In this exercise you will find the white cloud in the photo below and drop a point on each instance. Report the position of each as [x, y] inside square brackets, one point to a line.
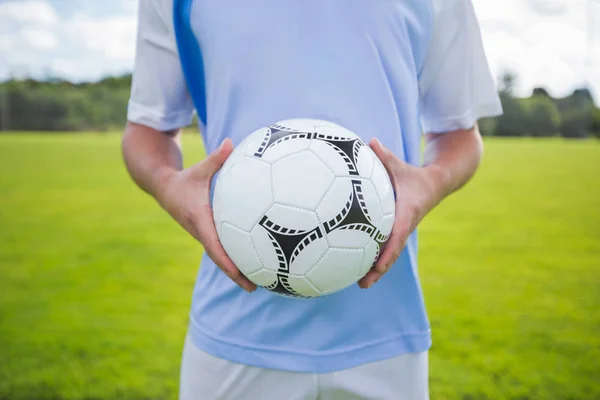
[36, 12]
[40, 39]
[129, 6]
[103, 46]
[548, 7]
[114, 37]
[79, 47]
[544, 41]
[6, 43]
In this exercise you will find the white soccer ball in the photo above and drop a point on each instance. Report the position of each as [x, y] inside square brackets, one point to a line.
[302, 207]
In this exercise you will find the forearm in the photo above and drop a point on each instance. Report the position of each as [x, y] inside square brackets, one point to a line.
[452, 159]
[151, 156]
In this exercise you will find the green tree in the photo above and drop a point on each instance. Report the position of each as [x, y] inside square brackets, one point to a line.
[508, 81]
[513, 121]
[540, 91]
[595, 123]
[487, 126]
[576, 111]
[61, 105]
[543, 115]
[575, 123]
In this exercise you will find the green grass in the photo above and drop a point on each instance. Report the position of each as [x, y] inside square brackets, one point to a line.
[95, 280]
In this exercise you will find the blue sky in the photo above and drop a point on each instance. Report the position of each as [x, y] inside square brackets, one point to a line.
[545, 41]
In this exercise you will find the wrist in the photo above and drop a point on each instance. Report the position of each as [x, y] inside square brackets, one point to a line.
[161, 182]
[440, 181]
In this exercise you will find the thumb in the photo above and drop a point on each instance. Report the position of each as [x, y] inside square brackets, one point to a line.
[380, 151]
[215, 160]
[391, 163]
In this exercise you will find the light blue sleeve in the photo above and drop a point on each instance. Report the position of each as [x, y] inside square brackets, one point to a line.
[456, 85]
[159, 96]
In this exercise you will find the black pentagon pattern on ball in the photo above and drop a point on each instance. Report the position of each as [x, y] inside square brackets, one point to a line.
[277, 134]
[288, 243]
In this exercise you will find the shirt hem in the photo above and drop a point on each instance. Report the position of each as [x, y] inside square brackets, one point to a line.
[465, 120]
[143, 115]
[309, 363]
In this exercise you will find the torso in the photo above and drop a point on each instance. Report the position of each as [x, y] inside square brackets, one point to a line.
[353, 62]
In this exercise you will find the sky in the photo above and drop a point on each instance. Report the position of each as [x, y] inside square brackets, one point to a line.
[549, 43]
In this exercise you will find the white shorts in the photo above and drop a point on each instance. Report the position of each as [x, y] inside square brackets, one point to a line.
[204, 377]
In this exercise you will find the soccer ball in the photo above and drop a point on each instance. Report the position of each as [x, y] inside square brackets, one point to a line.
[302, 207]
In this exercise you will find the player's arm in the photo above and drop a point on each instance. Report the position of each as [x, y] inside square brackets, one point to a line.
[151, 156]
[153, 160]
[159, 107]
[453, 158]
[456, 90]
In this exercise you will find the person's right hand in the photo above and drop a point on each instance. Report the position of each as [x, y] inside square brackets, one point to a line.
[185, 195]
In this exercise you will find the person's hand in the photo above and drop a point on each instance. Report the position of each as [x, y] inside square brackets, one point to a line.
[185, 195]
[418, 191]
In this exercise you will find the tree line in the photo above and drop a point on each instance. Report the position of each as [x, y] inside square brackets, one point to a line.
[59, 105]
[574, 116]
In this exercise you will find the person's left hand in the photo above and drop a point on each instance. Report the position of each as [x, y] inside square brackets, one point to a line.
[418, 190]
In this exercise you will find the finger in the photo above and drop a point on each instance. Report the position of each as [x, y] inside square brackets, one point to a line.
[369, 279]
[217, 254]
[394, 246]
[215, 160]
[390, 251]
[380, 150]
[391, 163]
[213, 247]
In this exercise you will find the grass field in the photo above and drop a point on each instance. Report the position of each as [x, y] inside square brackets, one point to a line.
[95, 280]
